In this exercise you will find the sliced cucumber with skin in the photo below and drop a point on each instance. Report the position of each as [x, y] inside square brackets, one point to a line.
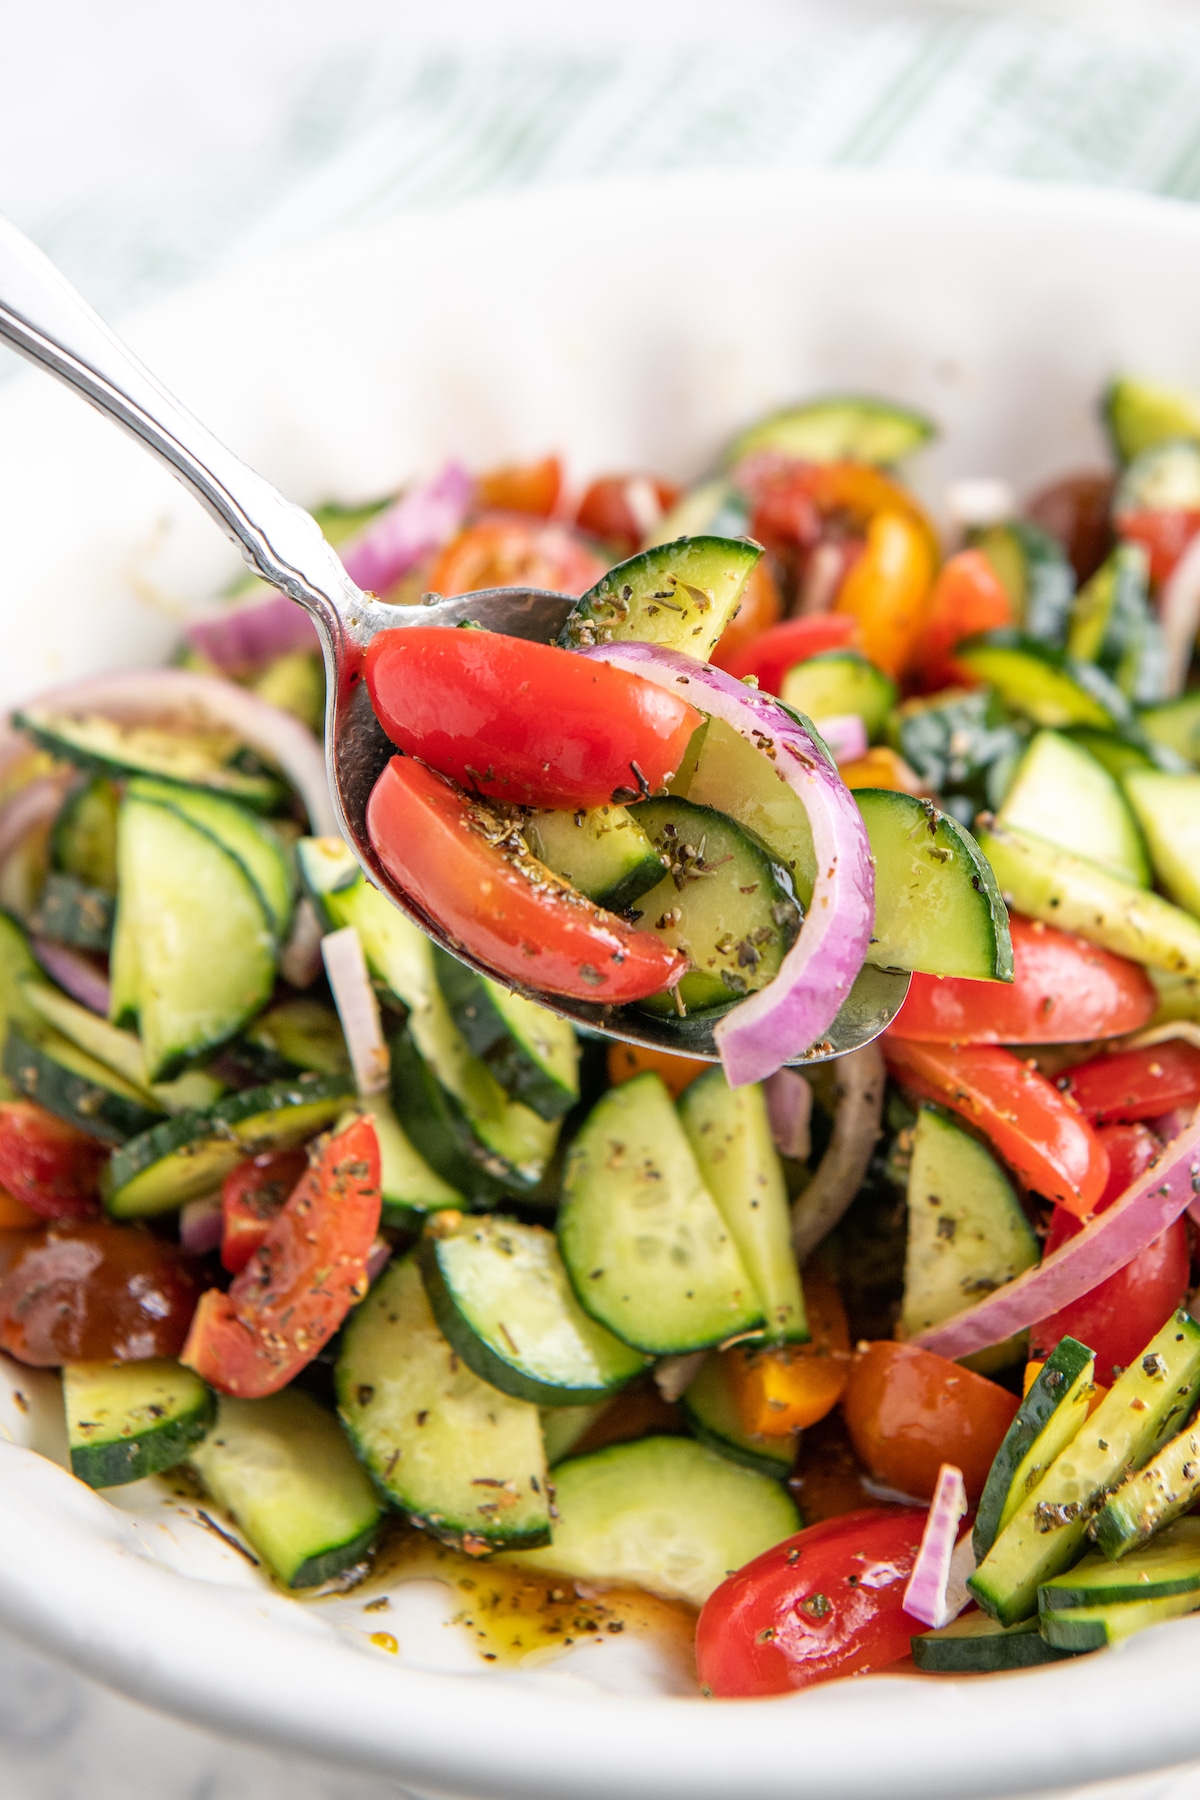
[647, 1250]
[710, 1409]
[398, 955]
[967, 1234]
[460, 1458]
[252, 842]
[601, 850]
[1175, 725]
[728, 774]
[120, 1051]
[1114, 626]
[1062, 794]
[565, 1426]
[840, 681]
[1047, 1420]
[1086, 1628]
[1044, 684]
[299, 1034]
[533, 1054]
[1165, 478]
[282, 1469]
[723, 901]
[129, 1420]
[187, 759]
[1167, 1566]
[837, 429]
[664, 1514]
[1114, 753]
[411, 1189]
[46, 1067]
[1168, 810]
[977, 1645]
[17, 967]
[1155, 1496]
[730, 1135]
[937, 905]
[70, 912]
[714, 509]
[962, 744]
[1076, 895]
[1033, 568]
[680, 595]
[503, 1300]
[83, 842]
[1142, 414]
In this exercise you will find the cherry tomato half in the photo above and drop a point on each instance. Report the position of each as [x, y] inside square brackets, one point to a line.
[522, 487]
[622, 509]
[49, 1166]
[968, 597]
[627, 1060]
[1164, 534]
[1075, 510]
[827, 1602]
[793, 641]
[525, 722]
[758, 610]
[509, 550]
[252, 1196]
[1136, 1084]
[1064, 990]
[909, 1411]
[93, 1292]
[499, 903]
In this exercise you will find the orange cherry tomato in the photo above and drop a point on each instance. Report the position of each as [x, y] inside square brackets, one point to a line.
[782, 646]
[760, 608]
[522, 487]
[14, 1216]
[627, 1060]
[506, 550]
[783, 1388]
[887, 590]
[1039, 1132]
[252, 1197]
[622, 509]
[48, 1165]
[909, 1411]
[968, 597]
[881, 767]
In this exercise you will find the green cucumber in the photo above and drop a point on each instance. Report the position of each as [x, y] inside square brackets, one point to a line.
[1033, 567]
[837, 428]
[282, 1469]
[1139, 1413]
[188, 759]
[967, 1234]
[1048, 1418]
[532, 1053]
[1168, 811]
[460, 1458]
[1141, 414]
[128, 1420]
[298, 1034]
[714, 509]
[1175, 725]
[120, 1051]
[1114, 753]
[252, 842]
[723, 770]
[17, 967]
[1169, 1565]
[411, 1189]
[1044, 684]
[962, 744]
[565, 1426]
[1062, 794]
[730, 1135]
[601, 850]
[840, 681]
[680, 595]
[295, 682]
[70, 912]
[1155, 1496]
[937, 905]
[1093, 1627]
[647, 1250]
[663, 1514]
[83, 842]
[977, 1645]
[46, 1067]
[502, 1299]
[1076, 895]
[399, 956]
[711, 1411]
[1164, 478]
[1114, 626]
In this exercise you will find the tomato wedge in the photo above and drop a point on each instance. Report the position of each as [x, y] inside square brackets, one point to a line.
[622, 509]
[302, 1281]
[909, 1411]
[499, 902]
[49, 1166]
[1164, 535]
[782, 1388]
[1136, 1084]
[522, 487]
[252, 1196]
[93, 1292]
[512, 550]
[793, 641]
[524, 722]
[1064, 990]
[827, 1602]
[968, 597]
[1038, 1131]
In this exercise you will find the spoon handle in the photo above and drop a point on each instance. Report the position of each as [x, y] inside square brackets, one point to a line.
[45, 319]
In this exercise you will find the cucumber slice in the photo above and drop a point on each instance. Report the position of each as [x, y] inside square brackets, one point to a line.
[565, 1426]
[1175, 726]
[204, 950]
[411, 1189]
[664, 1514]
[192, 1153]
[1076, 895]
[1093, 1627]
[1047, 1420]
[840, 681]
[1116, 754]
[937, 905]
[681, 595]
[648, 1253]
[714, 509]
[1044, 684]
[83, 842]
[17, 967]
[1141, 414]
[1168, 810]
[48, 1068]
[977, 1645]
[1139, 1413]
[711, 1411]
[967, 1234]
[501, 1296]
[1034, 569]
[128, 1420]
[837, 429]
[730, 1135]
[70, 912]
[194, 759]
[728, 774]
[298, 1034]
[1169, 1565]
[962, 745]
[459, 1117]
[1062, 794]
[295, 682]
[602, 851]
[723, 901]
[398, 955]
[533, 1054]
[1113, 626]
[251, 842]
[1143, 1503]
[462, 1460]
[281, 1467]
[120, 1052]
[1165, 478]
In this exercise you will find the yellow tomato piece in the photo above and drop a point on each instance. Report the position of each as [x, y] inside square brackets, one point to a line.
[888, 588]
[880, 767]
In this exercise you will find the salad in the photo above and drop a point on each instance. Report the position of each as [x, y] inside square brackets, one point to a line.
[855, 1360]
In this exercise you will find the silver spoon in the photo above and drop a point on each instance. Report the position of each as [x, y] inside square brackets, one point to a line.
[45, 319]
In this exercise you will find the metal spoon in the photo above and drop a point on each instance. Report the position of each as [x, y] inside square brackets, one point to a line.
[45, 319]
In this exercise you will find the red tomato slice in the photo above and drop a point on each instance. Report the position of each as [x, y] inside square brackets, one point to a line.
[522, 487]
[1164, 535]
[252, 1196]
[759, 608]
[909, 1411]
[96, 1292]
[48, 1165]
[499, 902]
[302, 1281]
[827, 1602]
[1136, 1084]
[968, 597]
[523, 722]
[1063, 991]
[793, 641]
[622, 509]
[1118, 1318]
[1037, 1130]
[508, 550]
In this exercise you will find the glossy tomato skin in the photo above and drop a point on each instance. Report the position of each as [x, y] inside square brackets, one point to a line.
[825, 1603]
[909, 1411]
[769, 657]
[252, 1196]
[1136, 1084]
[621, 509]
[1118, 1318]
[513, 550]
[526, 723]
[93, 1292]
[1064, 990]
[48, 1165]
[501, 905]
[968, 597]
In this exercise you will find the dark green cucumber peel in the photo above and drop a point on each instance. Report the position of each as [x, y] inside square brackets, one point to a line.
[120, 1458]
[66, 1081]
[1046, 685]
[977, 1645]
[529, 1052]
[1155, 1496]
[681, 595]
[1062, 1377]
[70, 912]
[602, 851]
[104, 748]
[709, 1408]
[438, 1128]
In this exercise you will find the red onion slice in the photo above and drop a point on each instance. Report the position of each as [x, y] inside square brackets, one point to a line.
[926, 1597]
[845, 734]
[420, 522]
[30, 809]
[378, 1257]
[300, 958]
[247, 636]
[784, 1019]
[789, 1108]
[358, 1009]
[200, 1224]
[75, 973]
[1179, 611]
[1112, 1239]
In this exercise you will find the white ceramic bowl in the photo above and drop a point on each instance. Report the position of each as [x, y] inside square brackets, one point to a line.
[629, 325]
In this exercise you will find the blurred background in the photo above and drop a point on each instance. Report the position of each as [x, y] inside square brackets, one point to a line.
[145, 147]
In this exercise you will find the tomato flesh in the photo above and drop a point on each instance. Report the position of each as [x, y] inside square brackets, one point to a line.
[522, 487]
[782, 646]
[526, 723]
[509, 550]
[1136, 1084]
[48, 1165]
[1163, 533]
[909, 1411]
[622, 509]
[968, 597]
[93, 1292]
[252, 1196]
[499, 903]
[827, 1602]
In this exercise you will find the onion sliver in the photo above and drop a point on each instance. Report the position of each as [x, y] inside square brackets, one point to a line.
[845, 735]
[30, 809]
[795, 1010]
[409, 530]
[358, 1009]
[75, 973]
[200, 1224]
[926, 1597]
[1179, 611]
[789, 1108]
[1112, 1239]
[248, 636]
